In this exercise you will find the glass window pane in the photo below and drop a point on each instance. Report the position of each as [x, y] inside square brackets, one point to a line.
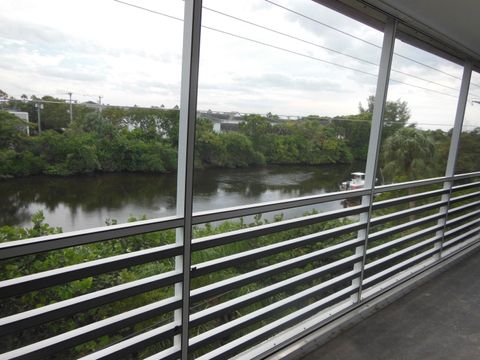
[278, 109]
[468, 159]
[419, 114]
[99, 84]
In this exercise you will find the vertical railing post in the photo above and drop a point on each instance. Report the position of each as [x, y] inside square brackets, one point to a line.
[374, 144]
[453, 154]
[186, 141]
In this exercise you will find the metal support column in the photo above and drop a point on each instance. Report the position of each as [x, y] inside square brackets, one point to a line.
[186, 142]
[453, 152]
[374, 143]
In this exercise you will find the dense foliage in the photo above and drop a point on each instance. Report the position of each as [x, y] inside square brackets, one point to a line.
[113, 139]
[73, 255]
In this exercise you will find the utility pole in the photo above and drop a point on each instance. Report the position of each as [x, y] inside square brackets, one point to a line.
[39, 107]
[100, 103]
[71, 109]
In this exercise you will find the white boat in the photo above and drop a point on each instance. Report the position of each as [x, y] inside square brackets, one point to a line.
[357, 182]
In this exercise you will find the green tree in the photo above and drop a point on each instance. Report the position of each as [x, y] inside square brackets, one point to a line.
[156, 123]
[395, 116]
[258, 129]
[408, 155]
[320, 144]
[12, 130]
[468, 159]
[209, 148]
[355, 130]
[239, 151]
[54, 114]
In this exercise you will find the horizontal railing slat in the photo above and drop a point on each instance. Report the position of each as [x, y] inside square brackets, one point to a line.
[135, 343]
[375, 236]
[465, 197]
[462, 218]
[27, 283]
[403, 199]
[239, 258]
[383, 275]
[232, 348]
[379, 249]
[462, 227]
[399, 214]
[202, 217]
[92, 331]
[465, 186]
[222, 286]
[257, 315]
[84, 302]
[410, 184]
[39, 244]
[172, 353]
[261, 230]
[400, 254]
[466, 175]
[461, 237]
[462, 208]
[257, 295]
[82, 237]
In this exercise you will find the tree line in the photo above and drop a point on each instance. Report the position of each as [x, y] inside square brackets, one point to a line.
[116, 139]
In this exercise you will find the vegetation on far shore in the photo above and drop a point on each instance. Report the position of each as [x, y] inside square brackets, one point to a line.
[135, 139]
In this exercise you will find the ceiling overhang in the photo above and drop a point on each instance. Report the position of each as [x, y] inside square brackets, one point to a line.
[447, 28]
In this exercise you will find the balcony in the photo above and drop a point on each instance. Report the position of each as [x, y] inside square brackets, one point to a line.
[436, 320]
[307, 299]
[266, 289]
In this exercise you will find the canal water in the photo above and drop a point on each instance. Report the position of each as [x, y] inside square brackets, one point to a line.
[87, 201]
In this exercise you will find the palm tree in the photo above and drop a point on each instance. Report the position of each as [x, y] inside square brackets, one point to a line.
[408, 155]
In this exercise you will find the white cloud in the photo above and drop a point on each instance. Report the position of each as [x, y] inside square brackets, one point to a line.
[131, 56]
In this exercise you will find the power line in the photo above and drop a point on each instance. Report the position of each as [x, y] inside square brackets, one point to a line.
[252, 40]
[342, 53]
[291, 36]
[85, 104]
[286, 50]
[64, 102]
[422, 79]
[324, 47]
[324, 24]
[291, 51]
[424, 88]
[149, 10]
[362, 40]
[283, 118]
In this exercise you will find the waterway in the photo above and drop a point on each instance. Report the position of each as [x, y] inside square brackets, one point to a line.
[87, 201]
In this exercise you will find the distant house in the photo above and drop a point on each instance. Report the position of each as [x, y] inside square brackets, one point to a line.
[93, 105]
[22, 115]
[230, 121]
[226, 127]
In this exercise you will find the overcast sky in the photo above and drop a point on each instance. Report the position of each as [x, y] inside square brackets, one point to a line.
[131, 56]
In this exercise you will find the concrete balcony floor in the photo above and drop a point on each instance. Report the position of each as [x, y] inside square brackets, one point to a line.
[438, 320]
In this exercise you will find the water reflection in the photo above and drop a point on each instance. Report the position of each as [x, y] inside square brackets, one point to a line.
[87, 201]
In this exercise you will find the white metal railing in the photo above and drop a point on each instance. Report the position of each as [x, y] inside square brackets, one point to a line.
[268, 278]
[399, 240]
